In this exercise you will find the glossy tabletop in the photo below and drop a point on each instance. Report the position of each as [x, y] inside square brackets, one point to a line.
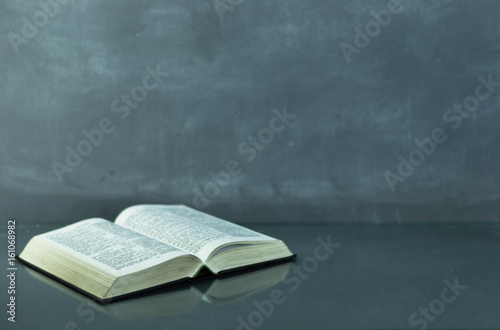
[345, 277]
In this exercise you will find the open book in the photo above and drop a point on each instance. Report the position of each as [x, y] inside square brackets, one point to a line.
[147, 246]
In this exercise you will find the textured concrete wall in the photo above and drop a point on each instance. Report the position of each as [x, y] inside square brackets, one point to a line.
[156, 95]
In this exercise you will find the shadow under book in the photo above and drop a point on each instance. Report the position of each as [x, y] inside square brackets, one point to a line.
[177, 299]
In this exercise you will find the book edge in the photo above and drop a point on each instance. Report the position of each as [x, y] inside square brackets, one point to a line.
[104, 301]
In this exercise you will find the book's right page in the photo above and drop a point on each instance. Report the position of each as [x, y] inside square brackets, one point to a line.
[190, 230]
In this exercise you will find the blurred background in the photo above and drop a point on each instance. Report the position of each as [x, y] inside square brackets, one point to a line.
[255, 111]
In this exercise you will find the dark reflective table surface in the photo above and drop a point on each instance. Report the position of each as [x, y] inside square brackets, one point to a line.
[345, 277]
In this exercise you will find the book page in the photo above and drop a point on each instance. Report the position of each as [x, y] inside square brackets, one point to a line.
[114, 248]
[185, 228]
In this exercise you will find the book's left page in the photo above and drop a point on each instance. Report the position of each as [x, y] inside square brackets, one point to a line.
[92, 254]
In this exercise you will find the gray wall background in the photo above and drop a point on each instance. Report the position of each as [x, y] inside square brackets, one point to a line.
[225, 77]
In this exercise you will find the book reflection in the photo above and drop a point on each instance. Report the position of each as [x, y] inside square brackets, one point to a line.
[182, 297]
